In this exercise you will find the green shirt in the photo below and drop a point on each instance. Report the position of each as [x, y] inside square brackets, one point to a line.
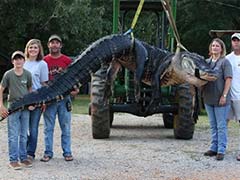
[17, 86]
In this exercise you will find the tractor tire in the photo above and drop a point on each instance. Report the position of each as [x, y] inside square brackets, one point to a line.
[168, 120]
[184, 123]
[100, 108]
[111, 114]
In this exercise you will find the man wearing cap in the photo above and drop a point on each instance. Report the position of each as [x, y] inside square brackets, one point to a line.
[57, 62]
[234, 58]
[19, 82]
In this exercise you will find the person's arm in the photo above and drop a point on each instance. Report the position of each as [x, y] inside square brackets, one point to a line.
[227, 86]
[3, 110]
[30, 89]
[29, 83]
[30, 108]
[44, 74]
[44, 83]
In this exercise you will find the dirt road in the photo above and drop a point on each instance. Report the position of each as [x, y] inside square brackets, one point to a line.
[137, 149]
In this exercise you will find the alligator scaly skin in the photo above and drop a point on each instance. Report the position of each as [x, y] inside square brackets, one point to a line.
[104, 50]
[100, 52]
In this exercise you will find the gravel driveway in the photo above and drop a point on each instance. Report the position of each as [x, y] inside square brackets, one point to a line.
[137, 149]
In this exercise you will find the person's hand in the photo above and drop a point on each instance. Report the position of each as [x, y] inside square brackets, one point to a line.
[4, 112]
[31, 108]
[222, 101]
[43, 107]
[75, 91]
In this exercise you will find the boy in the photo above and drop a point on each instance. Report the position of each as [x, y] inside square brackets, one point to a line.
[19, 82]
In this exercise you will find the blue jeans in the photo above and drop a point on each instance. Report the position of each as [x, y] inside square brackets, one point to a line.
[35, 116]
[218, 125]
[18, 124]
[64, 119]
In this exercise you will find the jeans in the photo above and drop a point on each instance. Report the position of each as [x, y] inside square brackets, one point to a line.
[18, 124]
[35, 116]
[64, 119]
[218, 125]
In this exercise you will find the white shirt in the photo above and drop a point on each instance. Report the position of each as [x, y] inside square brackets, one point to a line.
[39, 71]
[235, 86]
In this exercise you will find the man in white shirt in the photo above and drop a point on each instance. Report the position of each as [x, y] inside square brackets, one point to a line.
[234, 58]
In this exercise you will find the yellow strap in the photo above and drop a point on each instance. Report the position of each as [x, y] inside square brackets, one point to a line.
[137, 15]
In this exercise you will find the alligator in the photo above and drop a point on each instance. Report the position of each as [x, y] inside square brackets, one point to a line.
[166, 69]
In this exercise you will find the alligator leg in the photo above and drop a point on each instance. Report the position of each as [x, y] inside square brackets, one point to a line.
[156, 83]
[141, 57]
[112, 71]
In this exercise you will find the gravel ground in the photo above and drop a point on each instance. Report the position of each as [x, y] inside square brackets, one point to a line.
[137, 149]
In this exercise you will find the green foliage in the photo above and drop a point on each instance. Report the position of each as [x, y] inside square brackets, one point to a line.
[146, 26]
[80, 104]
[196, 18]
[80, 22]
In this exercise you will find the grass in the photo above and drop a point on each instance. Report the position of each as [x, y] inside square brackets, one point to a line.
[80, 104]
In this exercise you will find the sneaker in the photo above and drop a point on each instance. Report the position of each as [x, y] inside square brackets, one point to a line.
[210, 153]
[220, 157]
[26, 163]
[15, 165]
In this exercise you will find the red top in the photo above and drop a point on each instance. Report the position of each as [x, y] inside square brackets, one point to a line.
[56, 65]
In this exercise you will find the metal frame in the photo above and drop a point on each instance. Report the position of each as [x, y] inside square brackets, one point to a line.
[124, 6]
[220, 33]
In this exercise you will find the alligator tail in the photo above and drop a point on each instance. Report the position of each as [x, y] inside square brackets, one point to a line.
[100, 52]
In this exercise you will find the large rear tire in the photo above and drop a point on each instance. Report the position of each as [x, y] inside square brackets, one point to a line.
[184, 123]
[100, 109]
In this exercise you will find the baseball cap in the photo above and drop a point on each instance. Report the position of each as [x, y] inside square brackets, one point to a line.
[19, 53]
[54, 36]
[236, 35]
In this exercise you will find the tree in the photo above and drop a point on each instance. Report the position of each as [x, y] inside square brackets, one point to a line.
[196, 18]
[81, 22]
[78, 22]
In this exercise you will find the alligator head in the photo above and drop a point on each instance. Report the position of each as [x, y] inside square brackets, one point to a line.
[193, 68]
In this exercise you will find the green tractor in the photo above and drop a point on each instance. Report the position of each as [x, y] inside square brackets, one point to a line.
[176, 103]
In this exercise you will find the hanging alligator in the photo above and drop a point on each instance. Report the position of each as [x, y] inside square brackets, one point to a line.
[121, 50]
